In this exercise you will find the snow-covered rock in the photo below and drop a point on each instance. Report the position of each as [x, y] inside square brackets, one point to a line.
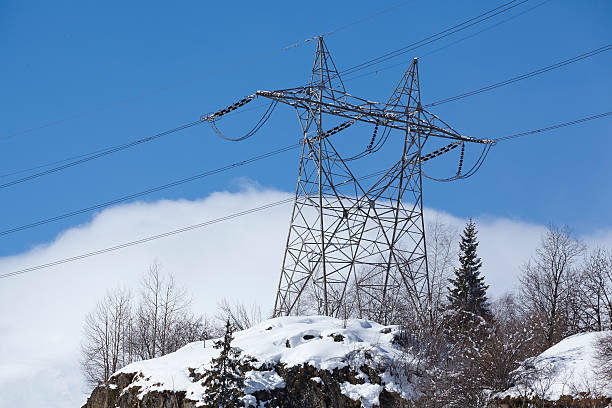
[566, 370]
[322, 361]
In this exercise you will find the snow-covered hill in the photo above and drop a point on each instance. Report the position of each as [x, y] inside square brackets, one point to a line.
[568, 368]
[320, 356]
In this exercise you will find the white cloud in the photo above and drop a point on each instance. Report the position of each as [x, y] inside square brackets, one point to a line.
[43, 311]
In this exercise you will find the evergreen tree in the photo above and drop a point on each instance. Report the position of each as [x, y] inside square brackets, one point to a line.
[225, 380]
[468, 291]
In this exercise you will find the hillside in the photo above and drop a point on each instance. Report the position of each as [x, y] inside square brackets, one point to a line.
[566, 371]
[297, 362]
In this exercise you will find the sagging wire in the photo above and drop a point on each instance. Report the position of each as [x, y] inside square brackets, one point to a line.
[212, 118]
[470, 172]
[375, 145]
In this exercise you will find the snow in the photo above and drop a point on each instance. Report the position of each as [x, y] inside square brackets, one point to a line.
[322, 342]
[262, 380]
[366, 393]
[567, 368]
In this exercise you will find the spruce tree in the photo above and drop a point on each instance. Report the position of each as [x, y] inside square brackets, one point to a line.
[468, 291]
[225, 380]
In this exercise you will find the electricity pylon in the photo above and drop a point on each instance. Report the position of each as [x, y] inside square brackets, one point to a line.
[357, 247]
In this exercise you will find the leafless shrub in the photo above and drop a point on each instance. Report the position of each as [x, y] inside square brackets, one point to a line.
[511, 342]
[240, 316]
[535, 381]
[603, 355]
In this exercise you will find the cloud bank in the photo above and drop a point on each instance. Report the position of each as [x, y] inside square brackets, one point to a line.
[43, 311]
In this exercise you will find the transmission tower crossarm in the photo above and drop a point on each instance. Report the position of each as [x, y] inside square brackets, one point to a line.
[368, 112]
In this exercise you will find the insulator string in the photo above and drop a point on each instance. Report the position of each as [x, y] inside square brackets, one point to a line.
[461, 159]
[211, 119]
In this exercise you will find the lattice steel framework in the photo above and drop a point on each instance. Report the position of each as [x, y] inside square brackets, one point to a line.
[352, 245]
[357, 247]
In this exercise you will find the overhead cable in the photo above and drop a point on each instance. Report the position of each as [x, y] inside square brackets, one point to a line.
[146, 239]
[523, 76]
[91, 153]
[102, 153]
[254, 159]
[552, 127]
[252, 210]
[436, 37]
[150, 190]
[197, 77]
[85, 157]
[377, 70]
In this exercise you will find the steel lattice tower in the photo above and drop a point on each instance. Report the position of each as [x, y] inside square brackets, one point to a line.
[356, 247]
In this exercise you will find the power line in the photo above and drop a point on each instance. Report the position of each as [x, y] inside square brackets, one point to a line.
[436, 37]
[99, 153]
[252, 210]
[523, 76]
[393, 54]
[150, 190]
[197, 77]
[162, 235]
[242, 163]
[40, 166]
[237, 112]
[497, 24]
[147, 239]
[102, 153]
[376, 71]
[552, 127]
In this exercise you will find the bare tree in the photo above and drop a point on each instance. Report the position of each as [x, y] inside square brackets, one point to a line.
[441, 253]
[241, 317]
[548, 283]
[163, 306]
[116, 333]
[596, 284]
[105, 347]
[421, 308]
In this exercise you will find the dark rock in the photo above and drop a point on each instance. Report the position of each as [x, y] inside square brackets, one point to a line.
[300, 390]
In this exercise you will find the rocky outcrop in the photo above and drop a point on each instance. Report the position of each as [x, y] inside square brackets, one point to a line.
[289, 362]
[305, 387]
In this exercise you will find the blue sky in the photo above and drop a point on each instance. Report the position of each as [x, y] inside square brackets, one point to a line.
[63, 58]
